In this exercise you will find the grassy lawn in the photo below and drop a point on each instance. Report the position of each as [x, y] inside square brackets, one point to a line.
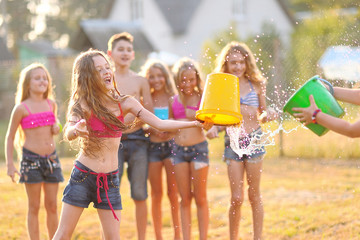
[311, 193]
[303, 199]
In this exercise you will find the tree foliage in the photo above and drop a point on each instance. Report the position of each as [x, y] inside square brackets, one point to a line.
[316, 5]
[62, 19]
[313, 36]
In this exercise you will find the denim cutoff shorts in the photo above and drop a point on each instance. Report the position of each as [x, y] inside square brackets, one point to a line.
[35, 168]
[243, 143]
[134, 150]
[81, 189]
[158, 151]
[198, 153]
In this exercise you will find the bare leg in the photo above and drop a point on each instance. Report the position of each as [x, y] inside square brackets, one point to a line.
[50, 202]
[141, 218]
[69, 218]
[110, 226]
[236, 178]
[199, 180]
[183, 181]
[253, 174]
[172, 192]
[33, 191]
[155, 178]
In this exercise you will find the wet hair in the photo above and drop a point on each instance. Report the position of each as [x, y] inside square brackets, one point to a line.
[153, 63]
[117, 37]
[88, 89]
[23, 92]
[186, 64]
[252, 71]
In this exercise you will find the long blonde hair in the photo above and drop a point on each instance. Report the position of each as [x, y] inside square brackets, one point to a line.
[178, 69]
[23, 93]
[153, 63]
[252, 71]
[87, 88]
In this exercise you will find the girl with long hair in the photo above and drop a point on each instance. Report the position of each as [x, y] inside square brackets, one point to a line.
[95, 119]
[236, 58]
[31, 130]
[162, 89]
[190, 150]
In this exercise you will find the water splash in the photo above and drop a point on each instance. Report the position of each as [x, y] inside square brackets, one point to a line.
[244, 144]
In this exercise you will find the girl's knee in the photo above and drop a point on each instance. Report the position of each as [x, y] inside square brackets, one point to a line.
[237, 200]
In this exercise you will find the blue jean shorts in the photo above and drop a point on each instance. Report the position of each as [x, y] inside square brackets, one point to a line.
[35, 168]
[158, 151]
[134, 150]
[198, 153]
[244, 142]
[81, 189]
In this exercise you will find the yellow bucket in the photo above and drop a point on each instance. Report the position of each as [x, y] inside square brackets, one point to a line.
[220, 101]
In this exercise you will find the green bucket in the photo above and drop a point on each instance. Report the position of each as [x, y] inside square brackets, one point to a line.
[323, 99]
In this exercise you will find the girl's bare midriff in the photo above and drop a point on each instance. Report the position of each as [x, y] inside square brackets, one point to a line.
[107, 159]
[189, 136]
[39, 140]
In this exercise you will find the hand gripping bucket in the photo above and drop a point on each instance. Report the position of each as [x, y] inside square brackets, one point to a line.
[220, 101]
[323, 99]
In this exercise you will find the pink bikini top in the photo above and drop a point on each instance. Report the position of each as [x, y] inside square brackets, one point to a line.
[179, 110]
[40, 119]
[103, 131]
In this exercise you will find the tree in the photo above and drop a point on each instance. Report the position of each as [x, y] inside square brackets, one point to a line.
[313, 36]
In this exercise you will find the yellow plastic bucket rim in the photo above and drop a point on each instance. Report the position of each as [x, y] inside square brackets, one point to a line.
[216, 111]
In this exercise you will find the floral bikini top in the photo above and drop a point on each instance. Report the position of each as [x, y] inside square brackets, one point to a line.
[103, 131]
[40, 119]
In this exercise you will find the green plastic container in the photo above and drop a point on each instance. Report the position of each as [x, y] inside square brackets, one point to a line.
[323, 99]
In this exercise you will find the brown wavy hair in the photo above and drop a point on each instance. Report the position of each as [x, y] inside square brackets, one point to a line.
[252, 71]
[88, 89]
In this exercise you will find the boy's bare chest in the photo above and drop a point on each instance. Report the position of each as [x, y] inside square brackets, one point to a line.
[132, 88]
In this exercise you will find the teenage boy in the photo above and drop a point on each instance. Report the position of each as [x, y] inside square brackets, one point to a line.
[134, 143]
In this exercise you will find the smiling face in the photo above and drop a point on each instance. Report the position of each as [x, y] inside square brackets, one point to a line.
[188, 81]
[157, 79]
[38, 81]
[105, 71]
[123, 53]
[236, 64]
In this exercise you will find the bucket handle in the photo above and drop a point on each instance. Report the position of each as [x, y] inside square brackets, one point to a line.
[331, 89]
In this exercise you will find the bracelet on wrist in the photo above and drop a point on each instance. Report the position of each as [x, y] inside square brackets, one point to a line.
[313, 118]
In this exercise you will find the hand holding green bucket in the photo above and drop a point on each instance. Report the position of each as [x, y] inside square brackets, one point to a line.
[323, 98]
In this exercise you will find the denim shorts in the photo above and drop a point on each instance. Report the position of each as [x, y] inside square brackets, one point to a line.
[134, 151]
[158, 151]
[81, 189]
[244, 142]
[35, 168]
[198, 153]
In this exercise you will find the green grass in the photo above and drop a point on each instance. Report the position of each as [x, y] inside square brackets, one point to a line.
[311, 193]
[303, 199]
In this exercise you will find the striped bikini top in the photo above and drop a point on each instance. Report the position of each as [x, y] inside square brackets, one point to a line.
[250, 99]
[40, 119]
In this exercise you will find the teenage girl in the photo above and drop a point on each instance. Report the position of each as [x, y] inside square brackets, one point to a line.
[162, 89]
[95, 118]
[237, 59]
[190, 150]
[32, 127]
